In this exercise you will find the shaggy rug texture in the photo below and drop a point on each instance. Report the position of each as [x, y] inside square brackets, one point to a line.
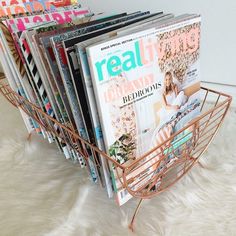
[43, 194]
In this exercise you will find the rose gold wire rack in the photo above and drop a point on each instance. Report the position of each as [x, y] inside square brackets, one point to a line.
[161, 167]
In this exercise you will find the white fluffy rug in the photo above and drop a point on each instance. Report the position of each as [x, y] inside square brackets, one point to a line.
[43, 194]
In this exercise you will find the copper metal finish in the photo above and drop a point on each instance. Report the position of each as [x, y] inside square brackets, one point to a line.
[161, 167]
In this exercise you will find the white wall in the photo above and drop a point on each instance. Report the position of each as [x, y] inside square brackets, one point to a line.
[218, 47]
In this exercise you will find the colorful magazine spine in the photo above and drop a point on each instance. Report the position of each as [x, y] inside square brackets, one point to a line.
[49, 76]
[54, 71]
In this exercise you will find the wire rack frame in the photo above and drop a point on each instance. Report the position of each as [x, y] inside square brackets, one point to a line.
[161, 167]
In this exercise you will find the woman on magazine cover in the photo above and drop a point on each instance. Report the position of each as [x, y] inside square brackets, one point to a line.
[172, 98]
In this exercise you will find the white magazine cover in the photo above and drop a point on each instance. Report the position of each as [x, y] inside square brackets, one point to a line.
[141, 82]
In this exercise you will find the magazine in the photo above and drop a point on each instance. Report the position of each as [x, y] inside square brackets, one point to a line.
[36, 70]
[141, 82]
[62, 17]
[23, 72]
[84, 107]
[45, 74]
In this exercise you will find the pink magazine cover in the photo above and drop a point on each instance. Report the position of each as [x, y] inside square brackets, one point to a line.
[62, 17]
[9, 9]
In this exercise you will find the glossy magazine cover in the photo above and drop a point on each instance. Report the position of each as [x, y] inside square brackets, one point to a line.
[142, 82]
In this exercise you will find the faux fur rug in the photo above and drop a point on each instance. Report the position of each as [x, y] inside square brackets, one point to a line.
[43, 194]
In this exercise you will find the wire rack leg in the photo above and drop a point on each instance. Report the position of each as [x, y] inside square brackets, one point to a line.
[201, 165]
[29, 136]
[131, 225]
[198, 162]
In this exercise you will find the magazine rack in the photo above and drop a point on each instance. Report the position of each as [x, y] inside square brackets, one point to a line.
[158, 169]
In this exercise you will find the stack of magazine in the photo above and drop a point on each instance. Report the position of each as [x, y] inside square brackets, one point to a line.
[124, 82]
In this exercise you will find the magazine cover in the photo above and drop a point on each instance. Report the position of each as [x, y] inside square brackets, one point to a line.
[142, 82]
[62, 17]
